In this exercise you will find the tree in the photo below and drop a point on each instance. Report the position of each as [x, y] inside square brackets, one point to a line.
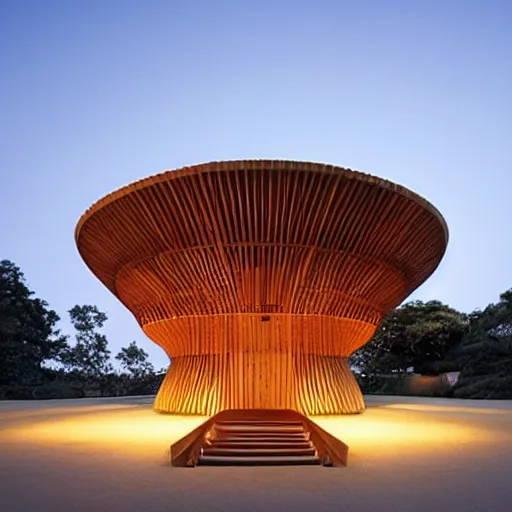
[28, 333]
[134, 360]
[485, 354]
[89, 356]
[415, 337]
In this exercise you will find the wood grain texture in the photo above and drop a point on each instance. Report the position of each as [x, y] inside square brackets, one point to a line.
[330, 450]
[259, 278]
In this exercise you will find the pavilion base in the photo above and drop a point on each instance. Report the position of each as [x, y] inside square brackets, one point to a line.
[310, 384]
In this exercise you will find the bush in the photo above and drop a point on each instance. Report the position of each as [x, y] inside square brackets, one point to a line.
[55, 390]
[17, 393]
[45, 391]
[485, 387]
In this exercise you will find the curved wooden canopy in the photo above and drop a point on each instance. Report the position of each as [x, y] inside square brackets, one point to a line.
[331, 249]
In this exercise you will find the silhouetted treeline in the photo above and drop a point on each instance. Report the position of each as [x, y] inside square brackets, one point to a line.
[430, 338]
[38, 361]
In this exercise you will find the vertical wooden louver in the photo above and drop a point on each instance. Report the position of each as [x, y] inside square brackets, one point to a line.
[260, 278]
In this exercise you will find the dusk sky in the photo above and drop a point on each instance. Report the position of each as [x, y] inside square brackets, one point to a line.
[96, 94]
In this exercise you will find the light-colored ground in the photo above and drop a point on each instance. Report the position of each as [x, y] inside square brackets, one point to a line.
[112, 454]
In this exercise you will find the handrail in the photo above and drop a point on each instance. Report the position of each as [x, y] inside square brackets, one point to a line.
[331, 451]
[186, 451]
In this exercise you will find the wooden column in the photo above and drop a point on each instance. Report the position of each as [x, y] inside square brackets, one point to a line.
[263, 361]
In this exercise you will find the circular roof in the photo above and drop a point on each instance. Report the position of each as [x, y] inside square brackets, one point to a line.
[169, 236]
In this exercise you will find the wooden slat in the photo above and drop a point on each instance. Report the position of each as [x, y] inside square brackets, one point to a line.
[260, 278]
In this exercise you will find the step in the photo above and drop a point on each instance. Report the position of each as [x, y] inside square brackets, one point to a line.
[263, 430]
[277, 424]
[260, 444]
[263, 423]
[210, 460]
[257, 431]
[257, 437]
[258, 452]
[247, 436]
[261, 437]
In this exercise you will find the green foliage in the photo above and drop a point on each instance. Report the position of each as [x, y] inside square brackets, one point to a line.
[416, 336]
[489, 387]
[58, 390]
[147, 384]
[431, 338]
[134, 360]
[485, 355]
[29, 341]
[28, 333]
[90, 355]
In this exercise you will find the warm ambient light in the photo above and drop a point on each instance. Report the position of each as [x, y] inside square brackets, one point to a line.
[260, 278]
[127, 429]
[137, 432]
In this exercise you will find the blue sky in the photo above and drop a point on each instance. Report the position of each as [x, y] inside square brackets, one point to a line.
[96, 94]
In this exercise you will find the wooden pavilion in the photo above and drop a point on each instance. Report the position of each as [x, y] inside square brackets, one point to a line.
[259, 278]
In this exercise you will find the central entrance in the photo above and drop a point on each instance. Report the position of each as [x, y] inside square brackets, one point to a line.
[261, 363]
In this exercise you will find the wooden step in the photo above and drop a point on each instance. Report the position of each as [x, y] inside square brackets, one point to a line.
[258, 452]
[251, 437]
[261, 423]
[256, 441]
[247, 442]
[260, 443]
[258, 435]
[210, 460]
[257, 432]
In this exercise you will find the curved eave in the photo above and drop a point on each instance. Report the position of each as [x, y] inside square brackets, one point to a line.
[236, 165]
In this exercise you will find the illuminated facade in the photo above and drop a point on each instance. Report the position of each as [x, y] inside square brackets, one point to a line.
[260, 278]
